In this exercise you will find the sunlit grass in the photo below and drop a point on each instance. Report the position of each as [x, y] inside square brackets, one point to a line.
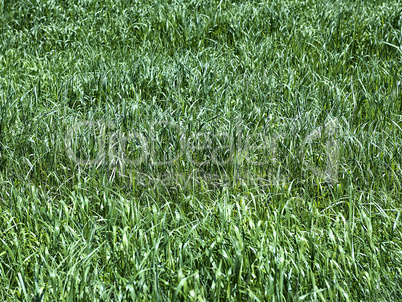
[200, 150]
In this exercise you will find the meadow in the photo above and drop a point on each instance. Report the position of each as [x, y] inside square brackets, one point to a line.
[200, 150]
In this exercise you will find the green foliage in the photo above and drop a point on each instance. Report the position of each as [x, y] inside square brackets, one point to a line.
[180, 150]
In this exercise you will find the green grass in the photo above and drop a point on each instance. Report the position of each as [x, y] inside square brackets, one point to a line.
[200, 150]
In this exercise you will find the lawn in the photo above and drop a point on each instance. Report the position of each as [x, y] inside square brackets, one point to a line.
[200, 150]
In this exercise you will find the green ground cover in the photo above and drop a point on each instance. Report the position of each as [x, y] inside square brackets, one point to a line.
[200, 150]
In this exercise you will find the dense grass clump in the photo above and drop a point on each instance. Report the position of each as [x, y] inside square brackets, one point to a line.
[200, 150]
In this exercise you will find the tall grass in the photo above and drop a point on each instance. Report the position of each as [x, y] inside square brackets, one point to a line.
[200, 150]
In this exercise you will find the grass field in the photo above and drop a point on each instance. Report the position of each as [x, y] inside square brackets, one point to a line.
[200, 150]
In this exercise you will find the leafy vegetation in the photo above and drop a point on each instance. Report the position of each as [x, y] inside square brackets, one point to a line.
[200, 150]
